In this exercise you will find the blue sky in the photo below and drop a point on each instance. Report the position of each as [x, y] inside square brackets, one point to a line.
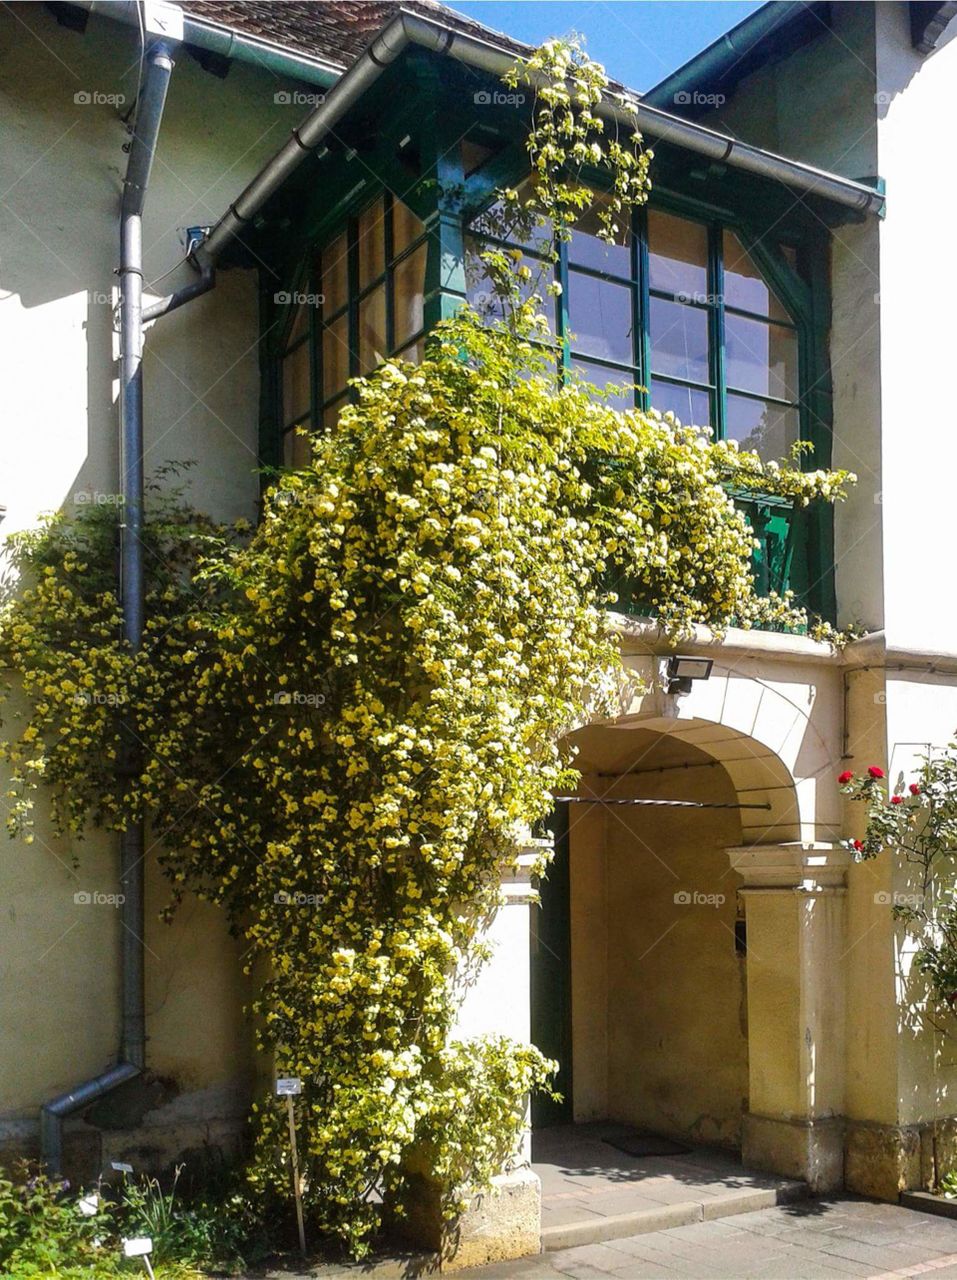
[639, 41]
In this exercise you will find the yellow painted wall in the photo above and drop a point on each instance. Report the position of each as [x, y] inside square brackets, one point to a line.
[659, 1006]
[61, 166]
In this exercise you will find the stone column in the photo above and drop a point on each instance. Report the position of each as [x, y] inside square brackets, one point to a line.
[794, 908]
[505, 1221]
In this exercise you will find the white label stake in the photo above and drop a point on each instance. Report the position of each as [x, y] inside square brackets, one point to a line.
[288, 1087]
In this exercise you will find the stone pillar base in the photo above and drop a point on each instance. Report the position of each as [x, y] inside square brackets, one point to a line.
[812, 1150]
[502, 1223]
[882, 1160]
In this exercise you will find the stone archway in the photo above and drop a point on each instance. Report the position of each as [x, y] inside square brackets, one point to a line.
[707, 997]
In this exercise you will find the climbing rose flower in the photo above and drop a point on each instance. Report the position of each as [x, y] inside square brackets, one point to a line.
[845, 777]
[875, 772]
[897, 799]
[859, 845]
[914, 789]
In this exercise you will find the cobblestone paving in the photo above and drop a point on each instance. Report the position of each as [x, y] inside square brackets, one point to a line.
[805, 1241]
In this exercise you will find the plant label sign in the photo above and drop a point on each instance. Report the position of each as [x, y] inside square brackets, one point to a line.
[138, 1247]
[288, 1086]
[120, 1167]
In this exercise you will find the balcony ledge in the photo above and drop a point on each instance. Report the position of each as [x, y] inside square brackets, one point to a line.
[644, 636]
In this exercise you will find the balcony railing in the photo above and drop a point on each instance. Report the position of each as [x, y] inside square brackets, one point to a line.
[779, 559]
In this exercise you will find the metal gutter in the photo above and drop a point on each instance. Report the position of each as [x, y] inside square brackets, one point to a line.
[132, 1052]
[407, 29]
[225, 42]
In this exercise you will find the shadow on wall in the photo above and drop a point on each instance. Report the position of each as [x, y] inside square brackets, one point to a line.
[658, 972]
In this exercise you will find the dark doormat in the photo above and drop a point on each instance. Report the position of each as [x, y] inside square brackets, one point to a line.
[646, 1144]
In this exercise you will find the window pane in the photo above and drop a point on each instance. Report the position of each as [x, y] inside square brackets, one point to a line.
[335, 357]
[507, 222]
[599, 314]
[483, 297]
[335, 263]
[296, 449]
[679, 340]
[760, 357]
[408, 292]
[677, 254]
[300, 326]
[690, 406]
[331, 412]
[372, 340]
[601, 377]
[414, 351]
[588, 250]
[295, 384]
[768, 429]
[406, 227]
[744, 286]
[371, 243]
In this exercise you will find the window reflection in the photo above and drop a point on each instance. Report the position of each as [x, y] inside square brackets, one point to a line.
[769, 429]
[690, 405]
[679, 340]
[599, 315]
[761, 357]
[588, 250]
[621, 396]
[744, 285]
[677, 255]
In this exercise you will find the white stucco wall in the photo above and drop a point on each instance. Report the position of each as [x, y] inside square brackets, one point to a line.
[61, 166]
[918, 261]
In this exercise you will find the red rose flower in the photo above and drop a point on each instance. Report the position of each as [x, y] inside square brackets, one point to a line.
[897, 799]
[846, 777]
[914, 789]
[858, 845]
[875, 772]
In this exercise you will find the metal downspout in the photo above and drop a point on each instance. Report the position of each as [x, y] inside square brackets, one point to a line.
[132, 1054]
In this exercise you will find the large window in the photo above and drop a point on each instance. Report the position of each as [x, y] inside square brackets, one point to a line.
[363, 302]
[678, 306]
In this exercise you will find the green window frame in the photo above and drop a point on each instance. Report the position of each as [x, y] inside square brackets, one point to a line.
[360, 299]
[719, 383]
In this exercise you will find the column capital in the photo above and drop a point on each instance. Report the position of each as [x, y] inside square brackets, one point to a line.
[800, 866]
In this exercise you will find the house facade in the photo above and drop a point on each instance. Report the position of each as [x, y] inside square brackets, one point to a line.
[708, 962]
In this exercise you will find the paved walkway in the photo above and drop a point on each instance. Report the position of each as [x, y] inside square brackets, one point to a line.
[593, 1192]
[809, 1240]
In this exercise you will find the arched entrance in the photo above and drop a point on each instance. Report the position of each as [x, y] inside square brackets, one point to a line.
[687, 955]
[638, 947]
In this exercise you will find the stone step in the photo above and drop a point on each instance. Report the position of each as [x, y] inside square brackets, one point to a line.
[681, 1214]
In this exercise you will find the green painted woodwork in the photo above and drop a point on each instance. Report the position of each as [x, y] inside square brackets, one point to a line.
[406, 139]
